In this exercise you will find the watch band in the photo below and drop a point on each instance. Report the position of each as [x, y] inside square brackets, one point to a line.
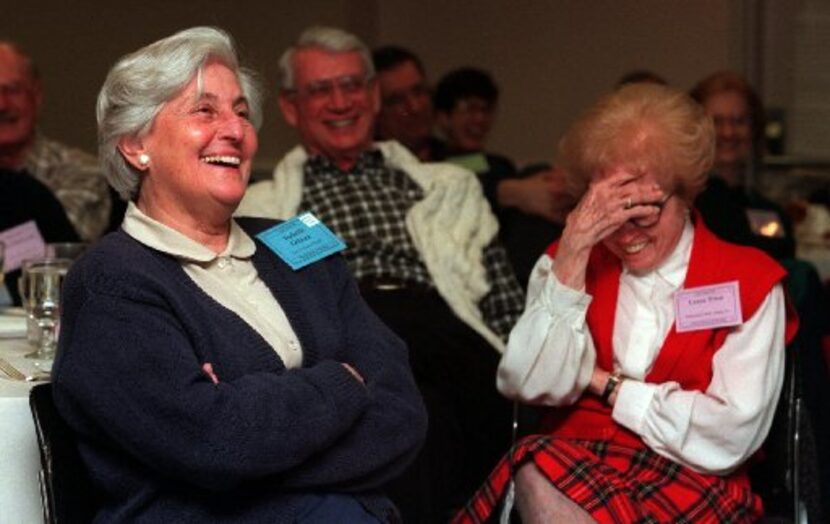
[611, 386]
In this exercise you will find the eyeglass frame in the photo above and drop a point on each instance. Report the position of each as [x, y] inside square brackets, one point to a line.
[348, 85]
[656, 218]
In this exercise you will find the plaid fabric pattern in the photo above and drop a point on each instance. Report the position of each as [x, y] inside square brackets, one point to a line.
[367, 208]
[618, 484]
[501, 307]
[76, 180]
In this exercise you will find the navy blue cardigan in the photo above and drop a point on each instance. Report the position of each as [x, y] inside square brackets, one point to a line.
[166, 444]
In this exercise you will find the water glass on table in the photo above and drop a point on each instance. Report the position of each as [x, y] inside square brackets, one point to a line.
[40, 291]
[68, 250]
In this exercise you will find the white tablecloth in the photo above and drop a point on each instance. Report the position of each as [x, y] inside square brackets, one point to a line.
[19, 456]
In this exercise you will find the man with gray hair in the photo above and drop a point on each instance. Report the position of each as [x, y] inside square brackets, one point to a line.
[72, 175]
[422, 242]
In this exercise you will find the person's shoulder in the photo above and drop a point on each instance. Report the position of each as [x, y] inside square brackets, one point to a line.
[741, 261]
[19, 186]
[259, 187]
[53, 151]
[500, 164]
[428, 174]
[117, 264]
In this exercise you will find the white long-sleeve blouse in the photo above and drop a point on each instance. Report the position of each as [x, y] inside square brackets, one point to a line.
[550, 358]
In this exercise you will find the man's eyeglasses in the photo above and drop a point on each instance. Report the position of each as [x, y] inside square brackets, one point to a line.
[400, 101]
[323, 89]
[651, 220]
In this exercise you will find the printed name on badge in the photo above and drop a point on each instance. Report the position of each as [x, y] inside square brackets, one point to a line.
[301, 241]
[707, 307]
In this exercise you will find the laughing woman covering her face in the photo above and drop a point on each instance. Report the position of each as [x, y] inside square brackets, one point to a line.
[660, 388]
[206, 380]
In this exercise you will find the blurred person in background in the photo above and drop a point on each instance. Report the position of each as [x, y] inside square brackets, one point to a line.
[72, 175]
[731, 207]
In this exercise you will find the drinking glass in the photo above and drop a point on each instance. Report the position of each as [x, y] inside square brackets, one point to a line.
[40, 292]
[67, 250]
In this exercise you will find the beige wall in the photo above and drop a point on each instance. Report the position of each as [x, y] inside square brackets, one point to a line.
[551, 58]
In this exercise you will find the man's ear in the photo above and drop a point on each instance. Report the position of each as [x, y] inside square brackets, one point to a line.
[374, 93]
[37, 95]
[288, 108]
[133, 150]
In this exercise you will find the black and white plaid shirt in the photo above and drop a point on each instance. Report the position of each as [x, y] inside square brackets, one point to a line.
[367, 208]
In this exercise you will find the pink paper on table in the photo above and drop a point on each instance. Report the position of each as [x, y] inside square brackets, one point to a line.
[707, 307]
[22, 242]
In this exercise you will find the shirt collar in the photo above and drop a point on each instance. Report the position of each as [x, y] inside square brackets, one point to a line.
[158, 236]
[319, 164]
[673, 269]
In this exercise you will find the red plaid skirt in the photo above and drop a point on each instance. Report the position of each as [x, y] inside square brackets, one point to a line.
[619, 484]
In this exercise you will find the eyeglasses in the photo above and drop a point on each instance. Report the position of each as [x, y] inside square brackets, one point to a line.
[323, 89]
[651, 220]
[734, 121]
[401, 101]
[475, 105]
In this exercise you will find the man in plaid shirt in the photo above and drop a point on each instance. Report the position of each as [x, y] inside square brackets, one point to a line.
[422, 243]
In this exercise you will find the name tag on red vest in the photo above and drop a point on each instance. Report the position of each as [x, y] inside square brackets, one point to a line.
[707, 307]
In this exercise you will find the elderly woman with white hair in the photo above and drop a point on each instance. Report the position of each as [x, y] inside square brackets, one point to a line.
[658, 347]
[207, 380]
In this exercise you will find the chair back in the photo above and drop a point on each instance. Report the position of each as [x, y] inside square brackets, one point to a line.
[788, 477]
[67, 493]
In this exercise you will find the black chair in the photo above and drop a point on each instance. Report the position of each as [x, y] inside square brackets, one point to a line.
[788, 479]
[67, 494]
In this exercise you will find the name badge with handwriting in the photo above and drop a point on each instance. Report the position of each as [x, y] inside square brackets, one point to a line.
[707, 307]
[301, 241]
[22, 241]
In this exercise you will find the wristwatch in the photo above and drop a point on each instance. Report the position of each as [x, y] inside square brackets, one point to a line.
[611, 386]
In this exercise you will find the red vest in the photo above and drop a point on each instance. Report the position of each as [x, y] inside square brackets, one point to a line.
[684, 357]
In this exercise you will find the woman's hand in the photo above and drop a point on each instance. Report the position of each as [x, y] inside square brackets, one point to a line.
[611, 200]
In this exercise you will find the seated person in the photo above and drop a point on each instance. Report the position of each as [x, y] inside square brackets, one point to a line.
[729, 206]
[23, 198]
[422, 243]
[466, 100]
[637, 396]
[465, 107]
[406, 115]
[207, 381]
[406, 102]
[73, 176]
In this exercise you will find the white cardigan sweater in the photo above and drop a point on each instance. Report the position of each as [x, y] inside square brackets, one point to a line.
[450, 227]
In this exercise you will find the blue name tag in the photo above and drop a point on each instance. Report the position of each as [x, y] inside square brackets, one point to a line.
[301, 240]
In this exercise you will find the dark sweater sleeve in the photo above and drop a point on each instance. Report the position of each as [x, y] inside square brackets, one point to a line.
[389, 434]
[128, 378]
